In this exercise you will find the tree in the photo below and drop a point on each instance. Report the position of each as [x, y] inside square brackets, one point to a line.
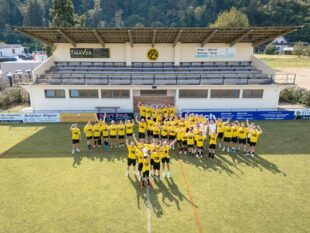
[33, 15]
[231, 19]
[299, 49]
[62, 14]
[118, 19]
[94, 16]
[305, 99]
[270, 49]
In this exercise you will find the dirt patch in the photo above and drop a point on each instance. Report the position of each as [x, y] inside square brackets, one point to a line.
[302, 75]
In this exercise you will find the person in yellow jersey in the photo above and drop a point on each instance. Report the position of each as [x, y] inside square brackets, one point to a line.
[121, 128]
[199, 139]
[88, 131]
[141, 127]
[131, 160]
[165, 148]
[150, 125]
[220, 131]
[113, 134]
[190, 142]
[76, 137]
[156, 131]
[139, 154]
[242, 135]
[148, 112]
[100, 124]
[105, 134]
[142, 110]
[172, 133]
[255, 132]
[146, 169]
[97, 134]
[234, 138]
[164, 130]
[173, 110]
[181, 132]
[227, 136]
[129, 129]
[212, 144]
[156, 156]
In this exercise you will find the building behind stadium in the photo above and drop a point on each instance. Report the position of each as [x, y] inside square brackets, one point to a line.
[193, 68]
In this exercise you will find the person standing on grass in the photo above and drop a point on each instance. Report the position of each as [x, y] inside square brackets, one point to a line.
[190, 142]
[255, 132]
[234, 138]
[76, 137]
[212, 145]
[121, 134]
[113, 134]
[131, 160]
[97, 134]
[105, 134]
[88, 131]
[165, 148]
[142, 110]
[227, 136]
[129, 129]
[145, 169]
[199, 139]
[220, 131]
[156, 165]
[141, 127]
[242, 135]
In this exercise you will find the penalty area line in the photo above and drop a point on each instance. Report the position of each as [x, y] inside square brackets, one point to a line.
[149, 230]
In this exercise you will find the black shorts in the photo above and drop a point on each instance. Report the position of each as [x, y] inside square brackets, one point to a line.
[184, 143]
[190, 146]
[96, 138]
[146, 174]
[227, 139]
[164, 137]
[105, 136]
[140, 166]
[252, 143]
[200, 147]
[131, 162]
[152, 162]
[220, 135]
[248, 140]
[121, 137]
[112, 136]
[242, 141]
[156, 166]
[179, 141]
[165, 160]
[171, 137]
[89, 138]
[234, 139]
[141, 135]
[155, 135]
[150, 132]
[142, 117]
[75, 141]
[212, 146]
[129, 134]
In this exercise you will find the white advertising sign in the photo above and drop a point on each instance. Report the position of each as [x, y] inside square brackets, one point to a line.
[41, 117]
[215, 53]
[11, 117]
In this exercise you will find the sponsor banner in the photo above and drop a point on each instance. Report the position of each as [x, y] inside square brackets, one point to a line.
[302, 113]
[251, 115]
[89, 53]
[41, 117]
[116, 116]
[11, 117]
[215, 53]
[78, 117]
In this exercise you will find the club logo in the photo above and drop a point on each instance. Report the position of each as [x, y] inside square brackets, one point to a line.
[152, 54]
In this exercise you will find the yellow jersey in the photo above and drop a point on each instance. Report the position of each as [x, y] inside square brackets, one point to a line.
[156, 130]
[100, 123]
[212, 139]
[199, 140]
[164, 130]
[180, 135]
[142, 127]
[254, 136]
[146, 165]
[132, 152]
[150, 124]
[172, 131]
[142, 111]
[113, 130]
[165, 151]
[121, 130]
[88, 130]
[227, 132]
[148, 112]
[75, 133]
[97, 131]
[190, 138]
[220, 127]
[139, 155]
[242, 133]
[235, 131]
[129, 128]
[157, 157]
[105, 130]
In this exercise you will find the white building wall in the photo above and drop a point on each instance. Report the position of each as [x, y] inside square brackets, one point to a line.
[8, 52]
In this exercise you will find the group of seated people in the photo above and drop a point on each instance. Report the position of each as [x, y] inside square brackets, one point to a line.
[161, 129]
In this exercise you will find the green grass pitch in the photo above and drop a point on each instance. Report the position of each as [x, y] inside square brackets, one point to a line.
[43, 188]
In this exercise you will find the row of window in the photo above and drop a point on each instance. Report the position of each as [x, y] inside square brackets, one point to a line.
[220, 93]
[125, 94]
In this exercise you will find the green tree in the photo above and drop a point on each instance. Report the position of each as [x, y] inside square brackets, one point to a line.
[94, 17]
[305, 99]
[299, 48]
[232, 18]
[270, 49]
[33, 15]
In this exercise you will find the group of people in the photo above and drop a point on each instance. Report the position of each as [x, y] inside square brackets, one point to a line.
[161, 129]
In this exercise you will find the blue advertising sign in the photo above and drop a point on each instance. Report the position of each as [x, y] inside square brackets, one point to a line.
[116, 116]
[251, 115]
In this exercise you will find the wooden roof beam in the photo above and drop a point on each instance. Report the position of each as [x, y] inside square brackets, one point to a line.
[208, 38]
[154, 38]
[34, 37]
[238, 39]
[177, 38]
[68, 38]
[130, 38]
[99, 38]
[262, 41]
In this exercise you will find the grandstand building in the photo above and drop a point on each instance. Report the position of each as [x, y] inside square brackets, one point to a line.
[193, 68]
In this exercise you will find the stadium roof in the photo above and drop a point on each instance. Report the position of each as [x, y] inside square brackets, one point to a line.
[255, 35]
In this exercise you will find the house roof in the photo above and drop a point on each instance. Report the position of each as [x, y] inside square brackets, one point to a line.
[254, 35]
[10, 46]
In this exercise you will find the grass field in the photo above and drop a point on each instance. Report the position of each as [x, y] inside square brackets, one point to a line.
[45, 189]
[285, 61]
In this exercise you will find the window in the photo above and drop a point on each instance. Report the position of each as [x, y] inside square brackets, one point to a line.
[225, 93]
[87, 93]
[248, 93]
[13, 51]
[153, 92]
[124, 94]
[55, 94]
[193, 93]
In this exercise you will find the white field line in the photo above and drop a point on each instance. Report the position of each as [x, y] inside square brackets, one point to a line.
[148, 209]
